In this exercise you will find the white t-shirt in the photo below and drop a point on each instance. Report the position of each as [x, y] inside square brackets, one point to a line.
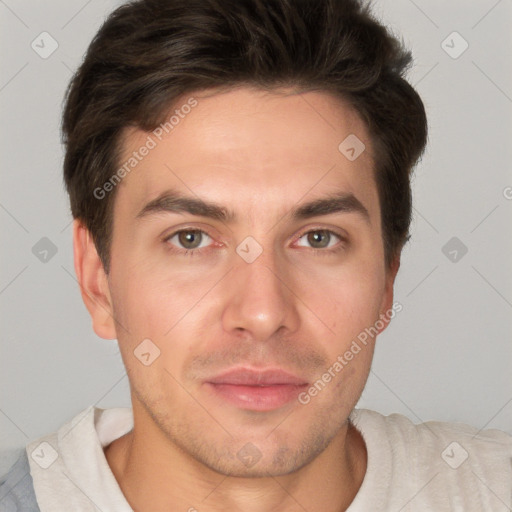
[433, 466]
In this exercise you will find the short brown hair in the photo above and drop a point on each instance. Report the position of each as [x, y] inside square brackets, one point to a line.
[148, 53]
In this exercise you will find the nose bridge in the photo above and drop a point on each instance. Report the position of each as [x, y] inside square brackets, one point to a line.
[264, 275]
[260, 300]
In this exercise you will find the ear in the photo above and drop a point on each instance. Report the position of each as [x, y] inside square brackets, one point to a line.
[93, 282]
[387, 299]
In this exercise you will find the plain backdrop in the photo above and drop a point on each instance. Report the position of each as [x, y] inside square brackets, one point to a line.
[446, 356]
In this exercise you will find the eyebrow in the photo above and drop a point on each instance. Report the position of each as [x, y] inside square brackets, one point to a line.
[175, 202]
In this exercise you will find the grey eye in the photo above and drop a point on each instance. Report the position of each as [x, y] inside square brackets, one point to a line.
[320, 238]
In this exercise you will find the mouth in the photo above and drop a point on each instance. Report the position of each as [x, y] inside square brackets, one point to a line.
[256, 390]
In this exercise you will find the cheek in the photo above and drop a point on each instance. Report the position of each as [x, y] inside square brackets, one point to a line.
[347, 298]
[362, 296]
[165, 307]
[151, 347]
[151, 298]
[140, 307]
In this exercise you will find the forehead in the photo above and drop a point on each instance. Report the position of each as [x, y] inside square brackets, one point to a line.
[252, 150]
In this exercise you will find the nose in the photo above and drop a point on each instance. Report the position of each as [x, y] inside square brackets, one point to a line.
[260, 299]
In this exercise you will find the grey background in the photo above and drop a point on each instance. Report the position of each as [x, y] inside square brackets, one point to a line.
[446, 356]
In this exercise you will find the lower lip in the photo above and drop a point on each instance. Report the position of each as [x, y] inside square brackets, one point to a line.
[257, 398]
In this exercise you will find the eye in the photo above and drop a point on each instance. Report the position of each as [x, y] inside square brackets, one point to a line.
[321, 239]
[189, 240]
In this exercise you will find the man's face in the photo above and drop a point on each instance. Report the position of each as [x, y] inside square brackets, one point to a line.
[222, 314]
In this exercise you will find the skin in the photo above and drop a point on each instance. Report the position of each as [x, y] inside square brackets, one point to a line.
[260, 154]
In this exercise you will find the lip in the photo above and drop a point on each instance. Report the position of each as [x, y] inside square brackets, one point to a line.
[257, 390]
[251, 377]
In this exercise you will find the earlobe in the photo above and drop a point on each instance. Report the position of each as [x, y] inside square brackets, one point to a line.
[93, 282]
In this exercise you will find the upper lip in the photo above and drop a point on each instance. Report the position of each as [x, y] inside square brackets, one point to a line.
[251, 377]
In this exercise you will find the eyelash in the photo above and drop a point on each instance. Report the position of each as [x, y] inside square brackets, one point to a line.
[200, 251]
[186, 252]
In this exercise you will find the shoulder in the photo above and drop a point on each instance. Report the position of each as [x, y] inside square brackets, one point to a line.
[400, 427]
[434, 465]
[16, 487]
[437, 444]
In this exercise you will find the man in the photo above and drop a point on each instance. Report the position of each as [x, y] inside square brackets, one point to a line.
[239, 174]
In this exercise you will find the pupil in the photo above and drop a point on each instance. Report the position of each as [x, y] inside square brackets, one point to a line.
[190, 237]
[316, 236]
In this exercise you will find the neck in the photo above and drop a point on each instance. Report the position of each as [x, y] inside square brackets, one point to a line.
[155, 475]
